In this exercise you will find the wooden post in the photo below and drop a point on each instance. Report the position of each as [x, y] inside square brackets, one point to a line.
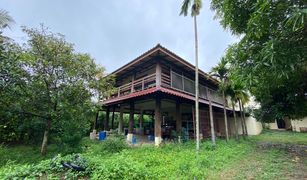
[143, 84]
[118, 92]
[112, 122]
[131, 122]
[106, 122]
[178, 118]
[132, 83]
[121, 118]
[158, 74]
[158, 117]
[141, 129]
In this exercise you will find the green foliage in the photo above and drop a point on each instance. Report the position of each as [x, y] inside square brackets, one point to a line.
[270, 59]
[170, 161]
[113, 144]
[195, 6]
[46, 168]
[120, 166]
[5, 19]
[47, 87]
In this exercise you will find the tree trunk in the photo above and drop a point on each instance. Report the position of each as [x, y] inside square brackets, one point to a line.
[46, 136]
[96, 120]
[242, 120]
[196, 87]
[235, 117]
[245, 127]
[225, 117]
[211, 118]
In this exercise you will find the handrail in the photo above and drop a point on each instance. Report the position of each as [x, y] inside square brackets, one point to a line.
[149, 81]
[141, 82]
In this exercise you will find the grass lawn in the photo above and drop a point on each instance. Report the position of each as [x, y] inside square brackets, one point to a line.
[287, 137]
[232, 160]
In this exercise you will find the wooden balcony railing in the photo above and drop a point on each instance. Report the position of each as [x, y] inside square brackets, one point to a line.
[168, 82]
[136, 85]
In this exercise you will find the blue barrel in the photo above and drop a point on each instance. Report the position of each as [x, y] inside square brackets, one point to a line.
[102, 135]
[151, 138]
[133, 140]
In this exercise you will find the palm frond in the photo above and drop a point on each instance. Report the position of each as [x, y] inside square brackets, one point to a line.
[5, 19]
[185, 7]
[197, 5]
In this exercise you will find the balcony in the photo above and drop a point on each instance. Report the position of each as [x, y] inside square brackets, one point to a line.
[173, 81]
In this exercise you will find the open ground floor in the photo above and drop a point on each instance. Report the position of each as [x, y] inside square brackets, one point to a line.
[170, 118]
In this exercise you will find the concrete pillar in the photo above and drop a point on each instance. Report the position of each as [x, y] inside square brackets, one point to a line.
[178, 118]
[121, 119]
[158, 118]
[131, 122]
[106, 122]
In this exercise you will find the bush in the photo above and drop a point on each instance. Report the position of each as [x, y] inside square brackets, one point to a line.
[120, 167]
[114, 144]
[46, 168]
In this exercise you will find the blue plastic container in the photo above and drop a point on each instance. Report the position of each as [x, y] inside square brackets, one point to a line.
[151, 138]
[133, 140]
[102, 135]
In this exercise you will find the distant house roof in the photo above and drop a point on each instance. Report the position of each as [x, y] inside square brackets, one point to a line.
[169, 55]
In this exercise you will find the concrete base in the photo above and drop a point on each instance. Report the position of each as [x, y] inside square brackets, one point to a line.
[158, 141]
[129, 137]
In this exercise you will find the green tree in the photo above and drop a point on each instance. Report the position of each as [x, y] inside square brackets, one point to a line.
[221, 72]
[195, 6]
[50, 88]
[229, 91]
[238, 94]
[270, 59]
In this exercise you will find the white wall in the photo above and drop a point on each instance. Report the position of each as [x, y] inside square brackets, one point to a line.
[297, 124]
[272, 125]
[253, 127]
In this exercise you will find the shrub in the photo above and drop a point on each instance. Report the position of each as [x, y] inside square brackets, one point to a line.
[120, 167]
[46, 169]
[113, 144]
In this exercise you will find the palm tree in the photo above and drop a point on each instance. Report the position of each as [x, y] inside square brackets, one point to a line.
[221, 72]
[242, 97]
[229, 91]
[195, 8]
[5, 19]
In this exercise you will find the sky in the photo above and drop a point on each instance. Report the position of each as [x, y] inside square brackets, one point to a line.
[116, 32]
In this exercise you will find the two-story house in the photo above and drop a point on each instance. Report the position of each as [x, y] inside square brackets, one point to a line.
[161, 84]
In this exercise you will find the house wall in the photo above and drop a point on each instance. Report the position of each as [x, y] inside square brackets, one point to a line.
[272, 125]
[253, 126]
[294, 124]
[297, 124]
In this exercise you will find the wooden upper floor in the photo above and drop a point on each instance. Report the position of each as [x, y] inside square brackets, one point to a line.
[160, 68]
